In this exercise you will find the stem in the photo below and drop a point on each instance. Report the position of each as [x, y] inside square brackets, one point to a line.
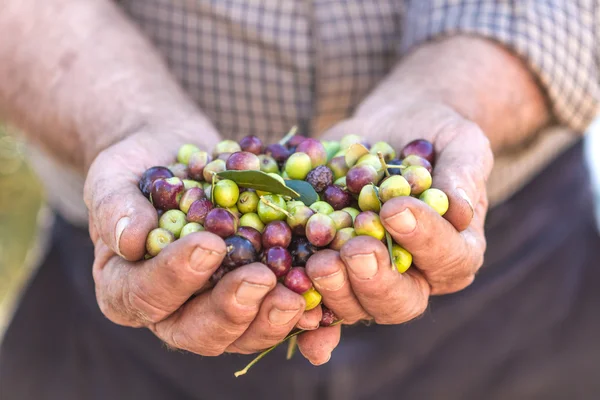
[212, 188]
[339, 321]
[257, 359]
[291, 337]
[289, 135]
[292, 346]
[390, 244]
[275, 207]
[383, 163]
[264, 353]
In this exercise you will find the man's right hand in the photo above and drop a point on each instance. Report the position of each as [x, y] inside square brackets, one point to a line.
[246, 312]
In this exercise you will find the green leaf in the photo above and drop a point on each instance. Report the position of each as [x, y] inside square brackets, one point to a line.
[390, 244]
[259, 180]
[355, 152]
[305, 189]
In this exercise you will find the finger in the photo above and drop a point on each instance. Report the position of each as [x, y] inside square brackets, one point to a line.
[137, 294]
[317, 346]
[448, 259]
[388, 296]
[278, 314]
[463, 164]
[121, 215]
[328, 273]
[347, 127]
[212, 321]
[310, 319]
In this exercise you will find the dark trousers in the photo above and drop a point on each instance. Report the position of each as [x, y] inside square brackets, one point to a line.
[528, 328]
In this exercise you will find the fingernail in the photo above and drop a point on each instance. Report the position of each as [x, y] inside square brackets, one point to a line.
[281, 317]
[120, 228]
[463, 194]
[249, 294]
[200, 261]
[324, 362]
[404, 222]
[308, 328]
[363, 266]
[331, 282]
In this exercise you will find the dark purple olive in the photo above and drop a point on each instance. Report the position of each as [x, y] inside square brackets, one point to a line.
[149, 176]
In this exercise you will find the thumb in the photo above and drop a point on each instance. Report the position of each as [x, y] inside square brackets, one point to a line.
[353, 126]
[119, 214]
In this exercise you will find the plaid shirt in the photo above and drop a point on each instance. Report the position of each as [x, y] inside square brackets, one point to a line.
[261, 66]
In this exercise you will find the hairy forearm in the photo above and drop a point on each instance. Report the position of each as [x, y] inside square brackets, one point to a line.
[477, 78]
[76, 76]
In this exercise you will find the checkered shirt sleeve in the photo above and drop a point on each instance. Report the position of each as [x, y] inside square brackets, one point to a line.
[558, 39]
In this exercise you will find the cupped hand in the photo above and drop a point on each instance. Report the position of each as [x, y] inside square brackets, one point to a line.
[247, 311]
[358, 282]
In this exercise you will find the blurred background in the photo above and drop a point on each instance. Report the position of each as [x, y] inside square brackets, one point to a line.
[21, 201]
[23, 215]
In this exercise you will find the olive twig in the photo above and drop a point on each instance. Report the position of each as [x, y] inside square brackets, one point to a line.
[383, 163]
[276, 207]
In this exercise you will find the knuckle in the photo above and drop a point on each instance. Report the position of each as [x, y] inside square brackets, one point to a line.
[144, 309]
[209, 351]
[376, 294]
[488, 156]
[267, 337]
[478, 176]
[236, 315]
[354, 318]
[414, 307]
[102, 207]
[115, 313]
[91, 183]
[418, 308]
[179, 339]
[107, 309]
[237, 349]
[407, 312]
[182, 340]
[452, 263]
[465, 282]
[456, 284]
[478, 260]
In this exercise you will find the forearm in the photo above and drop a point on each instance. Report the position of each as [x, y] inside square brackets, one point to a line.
[477, 78]
[76, 76]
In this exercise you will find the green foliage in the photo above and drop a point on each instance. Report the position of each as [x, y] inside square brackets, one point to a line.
[20, 201]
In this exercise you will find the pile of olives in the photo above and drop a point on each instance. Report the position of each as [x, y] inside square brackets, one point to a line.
[259, 221]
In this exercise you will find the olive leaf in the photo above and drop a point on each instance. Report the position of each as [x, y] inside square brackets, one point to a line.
[305, 189]
[355, 152]
[259, 180]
